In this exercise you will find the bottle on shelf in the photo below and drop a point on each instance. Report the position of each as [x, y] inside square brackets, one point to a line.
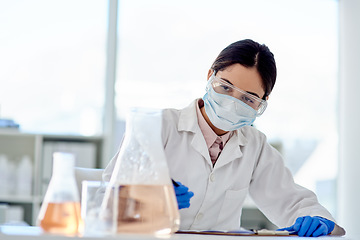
[24, 177]
[3, 175]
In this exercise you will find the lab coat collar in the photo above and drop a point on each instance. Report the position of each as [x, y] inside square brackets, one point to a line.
[230, 152]
[188, 122]
[232, 149]
[241, 139]
[188, 119]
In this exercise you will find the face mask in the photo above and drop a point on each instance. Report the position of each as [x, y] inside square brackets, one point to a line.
[225, 112]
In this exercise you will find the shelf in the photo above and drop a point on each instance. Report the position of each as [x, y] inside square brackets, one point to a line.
[20, 199]
[39, 147]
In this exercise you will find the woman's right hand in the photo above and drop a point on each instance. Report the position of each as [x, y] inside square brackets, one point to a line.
[183, 195]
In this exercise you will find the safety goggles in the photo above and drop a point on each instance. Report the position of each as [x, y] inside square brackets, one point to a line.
[222, 87]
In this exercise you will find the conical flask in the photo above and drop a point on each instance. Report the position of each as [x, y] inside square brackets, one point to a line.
[60, 210]
[140, 198]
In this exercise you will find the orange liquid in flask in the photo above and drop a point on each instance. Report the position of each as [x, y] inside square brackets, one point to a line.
[62, 218]
[147, 209]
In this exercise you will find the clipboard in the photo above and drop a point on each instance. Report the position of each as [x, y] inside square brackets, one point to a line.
[241, 232]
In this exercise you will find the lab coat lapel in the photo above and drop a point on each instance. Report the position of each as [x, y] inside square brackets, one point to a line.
[188, 122]
[232, 149]
[199, 144]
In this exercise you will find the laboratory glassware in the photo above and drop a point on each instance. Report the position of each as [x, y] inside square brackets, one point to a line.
[60, 210]
[144, 201]
[92, 194]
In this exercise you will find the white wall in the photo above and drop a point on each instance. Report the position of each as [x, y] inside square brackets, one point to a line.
[349, 116]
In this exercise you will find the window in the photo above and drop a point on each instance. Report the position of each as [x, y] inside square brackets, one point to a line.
[53, 64]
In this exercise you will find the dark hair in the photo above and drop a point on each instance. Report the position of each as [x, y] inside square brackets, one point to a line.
[249, 54]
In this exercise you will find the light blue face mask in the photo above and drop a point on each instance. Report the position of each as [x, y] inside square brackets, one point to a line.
[225, 112]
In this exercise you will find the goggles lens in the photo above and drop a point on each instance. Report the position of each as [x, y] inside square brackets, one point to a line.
[222, 87]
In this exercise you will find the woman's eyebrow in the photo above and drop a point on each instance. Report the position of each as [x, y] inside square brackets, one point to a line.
[227, 81]
[252, 93]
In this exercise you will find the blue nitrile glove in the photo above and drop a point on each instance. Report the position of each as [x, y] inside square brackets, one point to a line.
[311, 226]
[183, 195]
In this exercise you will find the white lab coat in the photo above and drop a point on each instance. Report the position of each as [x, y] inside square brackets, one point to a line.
[246, 165]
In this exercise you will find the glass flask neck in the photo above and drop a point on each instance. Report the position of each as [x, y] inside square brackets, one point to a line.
[62, 186]
[63, 165]
[142, 159]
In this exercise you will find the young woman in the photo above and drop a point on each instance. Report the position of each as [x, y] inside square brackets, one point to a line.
[213, 149]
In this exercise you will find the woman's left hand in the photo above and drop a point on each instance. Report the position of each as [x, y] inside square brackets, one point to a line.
[311, 226]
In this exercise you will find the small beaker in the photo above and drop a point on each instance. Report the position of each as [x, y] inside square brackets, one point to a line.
[92, 195]
[60, 210]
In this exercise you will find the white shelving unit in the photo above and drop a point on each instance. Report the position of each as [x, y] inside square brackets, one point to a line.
[38, 147]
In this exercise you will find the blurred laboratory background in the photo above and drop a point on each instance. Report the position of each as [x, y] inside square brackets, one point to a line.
[70, 70]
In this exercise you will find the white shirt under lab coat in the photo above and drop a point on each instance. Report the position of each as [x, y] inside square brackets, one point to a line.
[246, 165]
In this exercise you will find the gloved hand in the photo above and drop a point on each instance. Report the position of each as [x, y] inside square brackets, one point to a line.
[183, 195]
[311, 226]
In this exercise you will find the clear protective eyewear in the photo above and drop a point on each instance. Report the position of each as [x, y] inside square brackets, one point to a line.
[222, 87]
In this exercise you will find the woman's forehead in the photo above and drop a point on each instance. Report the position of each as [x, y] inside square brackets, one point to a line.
[245, 78]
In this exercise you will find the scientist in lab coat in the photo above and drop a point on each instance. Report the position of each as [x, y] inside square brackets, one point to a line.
[213, 150]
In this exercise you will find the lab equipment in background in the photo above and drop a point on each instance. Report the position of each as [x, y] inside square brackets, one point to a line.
[144, 199]
[16, 176]
[24, 177]
[11, 214]
[8, 123]
[11, 177]
[60, 210]
[3, 175]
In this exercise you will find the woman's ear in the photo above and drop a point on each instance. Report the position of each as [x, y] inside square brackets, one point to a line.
[210, 72]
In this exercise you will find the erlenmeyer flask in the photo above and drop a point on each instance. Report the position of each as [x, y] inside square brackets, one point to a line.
[141, 198]
[60, 210]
